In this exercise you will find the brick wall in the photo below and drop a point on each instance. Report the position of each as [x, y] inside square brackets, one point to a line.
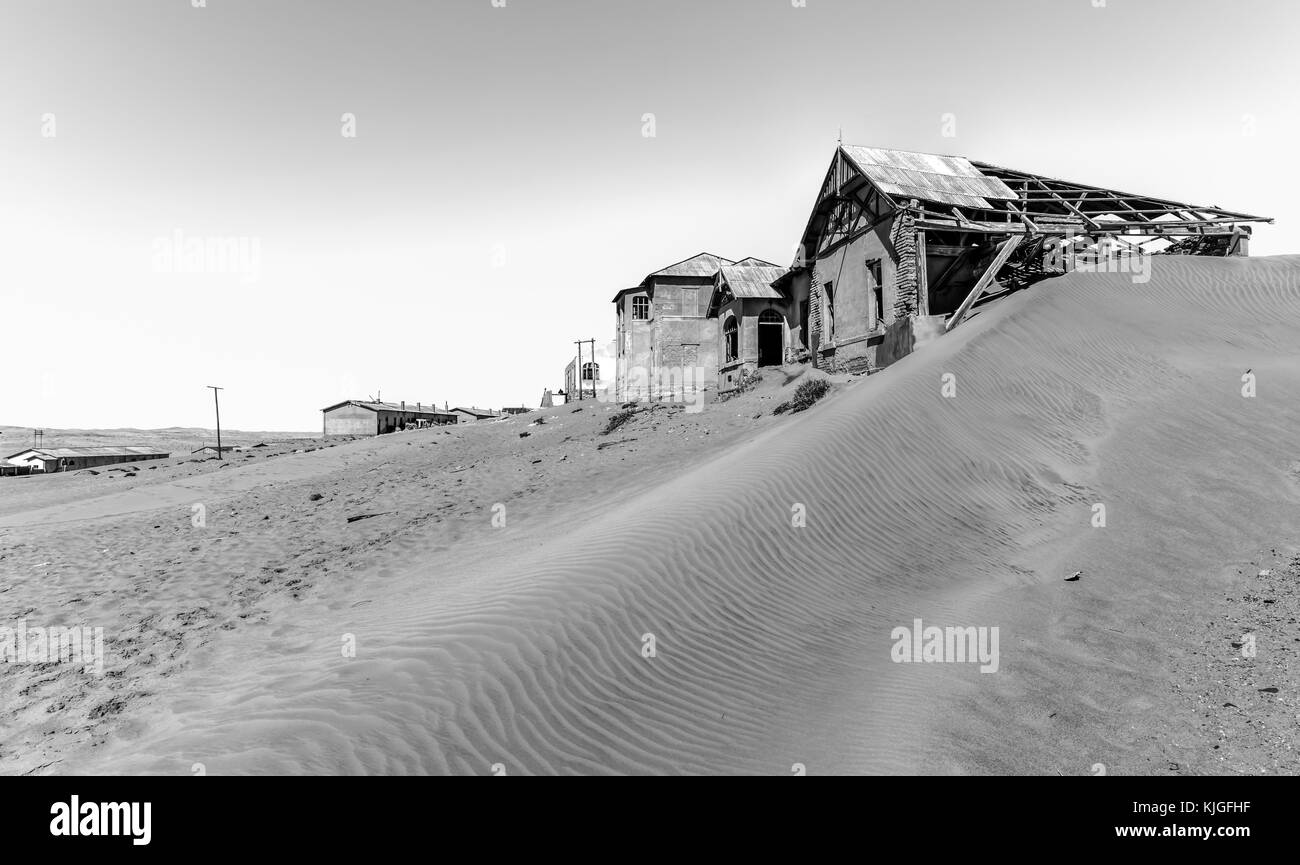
[815, 316]
[903, 238]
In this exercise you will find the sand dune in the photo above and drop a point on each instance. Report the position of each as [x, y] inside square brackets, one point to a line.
[523, 646]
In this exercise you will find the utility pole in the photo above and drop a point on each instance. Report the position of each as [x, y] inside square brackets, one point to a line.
[592, 343]
[578, 369]
[217, 402]
[581, 387]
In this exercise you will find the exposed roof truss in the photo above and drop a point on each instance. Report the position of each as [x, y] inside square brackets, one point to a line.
[850, 203]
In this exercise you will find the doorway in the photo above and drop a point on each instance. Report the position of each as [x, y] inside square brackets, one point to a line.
[771, 338]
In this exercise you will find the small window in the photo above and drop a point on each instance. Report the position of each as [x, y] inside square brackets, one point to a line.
[591, 372]
[640, 308]
[877, 291]
[730, 336]
[829, 323]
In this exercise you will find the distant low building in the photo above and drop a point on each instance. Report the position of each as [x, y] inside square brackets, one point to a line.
[471, 414]
[67, 459]
[356, 417]
[212, 449]
[519, 409]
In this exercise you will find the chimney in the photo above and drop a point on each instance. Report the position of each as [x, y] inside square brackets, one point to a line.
[403, 405]
[418, 407]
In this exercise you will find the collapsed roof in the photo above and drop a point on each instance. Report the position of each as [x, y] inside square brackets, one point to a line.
[864, 185]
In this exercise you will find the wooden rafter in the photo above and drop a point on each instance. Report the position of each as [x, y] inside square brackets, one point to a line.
[1005, 249]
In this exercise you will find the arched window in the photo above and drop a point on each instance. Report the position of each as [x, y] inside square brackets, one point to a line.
[730, 336]
[640, 308]
[591, 372]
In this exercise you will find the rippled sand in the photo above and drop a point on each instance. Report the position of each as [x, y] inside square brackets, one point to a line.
[523, 645]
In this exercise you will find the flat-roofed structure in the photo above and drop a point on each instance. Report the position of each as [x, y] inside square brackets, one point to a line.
[471, 414]
[355, 417]
[44, 459]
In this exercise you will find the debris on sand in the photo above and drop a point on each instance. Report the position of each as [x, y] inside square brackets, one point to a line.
[618, 419]
[367, 516]
[1074, 577]
[315, 497]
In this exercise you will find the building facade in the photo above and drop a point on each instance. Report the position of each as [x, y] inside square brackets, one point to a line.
[667, 341]
[363, 417]
[471, 414]
[753, 317]
[68, 459]
[899, 248]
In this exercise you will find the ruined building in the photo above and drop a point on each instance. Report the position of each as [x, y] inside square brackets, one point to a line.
[898, 249]
[901, 245]
[666, 336]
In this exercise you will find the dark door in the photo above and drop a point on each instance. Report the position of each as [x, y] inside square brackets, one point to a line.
[770, 338]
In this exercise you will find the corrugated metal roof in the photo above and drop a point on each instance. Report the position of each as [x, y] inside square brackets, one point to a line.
[388, 406]
[704, 264]
[477, 412]
[755, 262]
[93, 451]
[927, 176]
[752, 281]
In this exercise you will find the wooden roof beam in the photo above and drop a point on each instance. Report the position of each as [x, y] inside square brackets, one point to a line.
[1005, 249]
[1023, 218]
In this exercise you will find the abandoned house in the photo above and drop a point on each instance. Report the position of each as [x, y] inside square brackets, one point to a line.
[664, 333]
[752, 317]
[901, 246]
[45, 459]
[356, 417]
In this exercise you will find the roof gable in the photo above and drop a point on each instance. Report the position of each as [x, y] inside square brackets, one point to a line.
[751, 281]
[703, 264]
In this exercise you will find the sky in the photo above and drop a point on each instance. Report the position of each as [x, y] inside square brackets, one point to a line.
[306, 202]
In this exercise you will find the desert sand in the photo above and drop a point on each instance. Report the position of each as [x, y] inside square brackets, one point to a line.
[519, 644]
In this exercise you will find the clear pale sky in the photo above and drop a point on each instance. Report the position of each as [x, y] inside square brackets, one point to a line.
[499, 190]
